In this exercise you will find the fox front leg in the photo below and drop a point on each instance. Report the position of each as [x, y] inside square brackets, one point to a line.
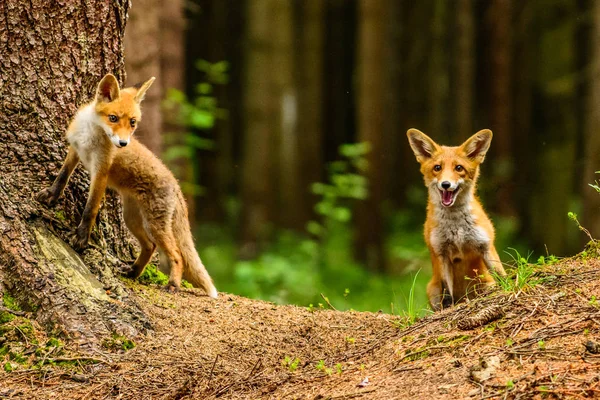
[97, 189]
[50, 195]
[492, 261]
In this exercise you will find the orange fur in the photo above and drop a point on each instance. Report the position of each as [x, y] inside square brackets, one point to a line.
[154, 208]
[458, 232]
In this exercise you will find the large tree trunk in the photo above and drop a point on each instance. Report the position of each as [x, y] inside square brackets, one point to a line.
[142, 61]
[52, 58]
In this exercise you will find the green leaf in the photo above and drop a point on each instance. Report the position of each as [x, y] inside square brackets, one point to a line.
[341, 214]
[314, 228]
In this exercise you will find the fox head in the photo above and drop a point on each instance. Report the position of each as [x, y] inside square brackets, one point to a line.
[119, 110]
[450, 173]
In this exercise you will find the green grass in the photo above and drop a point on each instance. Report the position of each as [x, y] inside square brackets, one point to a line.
[524, 275]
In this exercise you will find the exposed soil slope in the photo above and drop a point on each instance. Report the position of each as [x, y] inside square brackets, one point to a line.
[513, 345]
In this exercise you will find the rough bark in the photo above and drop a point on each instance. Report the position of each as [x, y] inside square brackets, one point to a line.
[142, 61]
[52, 54]
[371, 89]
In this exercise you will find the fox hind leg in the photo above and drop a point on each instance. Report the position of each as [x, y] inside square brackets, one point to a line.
[135, 222]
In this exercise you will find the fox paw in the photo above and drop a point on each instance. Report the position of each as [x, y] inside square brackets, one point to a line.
[80, 241]
[171, 288]
[47, 197]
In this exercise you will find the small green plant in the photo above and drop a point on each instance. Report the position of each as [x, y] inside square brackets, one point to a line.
[323, 368]
[510, 384]
[350, 340]
[338, 368]
[541, 345]
[523, 275]
[573, 217]
[311, 308]
[594, 302]
[291, 363]
[509, 342]
[8, 367]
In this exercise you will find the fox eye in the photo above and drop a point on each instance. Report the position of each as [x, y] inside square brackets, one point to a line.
[437, 168]
[459, 168]
[113, 118]
[132, 122]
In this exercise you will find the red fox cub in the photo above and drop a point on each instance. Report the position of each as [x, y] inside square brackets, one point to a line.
[458, 233]
[100, 136]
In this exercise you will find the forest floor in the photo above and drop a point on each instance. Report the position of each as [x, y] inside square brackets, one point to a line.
[538, 341]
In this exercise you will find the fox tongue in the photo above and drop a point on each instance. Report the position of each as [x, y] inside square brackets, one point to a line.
[447, 197]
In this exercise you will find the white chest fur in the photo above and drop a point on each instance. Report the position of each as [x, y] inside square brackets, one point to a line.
[87, 138]
[457, 232]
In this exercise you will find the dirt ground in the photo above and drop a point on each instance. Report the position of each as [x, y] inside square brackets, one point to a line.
[528, 343]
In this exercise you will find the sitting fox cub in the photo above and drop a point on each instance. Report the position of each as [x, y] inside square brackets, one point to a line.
[458, 233]
[100, 136]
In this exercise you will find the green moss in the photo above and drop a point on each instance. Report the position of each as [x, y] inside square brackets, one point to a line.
[186, 284]
[6, 317]
[418, 354]
[60, 215]
[10, 302]
[8, 367]
[53, 342]
[119, 342]
[152, 275]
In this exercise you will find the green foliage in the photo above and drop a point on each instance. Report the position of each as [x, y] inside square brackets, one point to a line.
[199, 113]
[345, 185]
[523, 275]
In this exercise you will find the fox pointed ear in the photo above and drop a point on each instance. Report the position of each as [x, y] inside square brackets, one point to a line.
[422, 145]
[142, 88]
[477, 145]
[108, 89]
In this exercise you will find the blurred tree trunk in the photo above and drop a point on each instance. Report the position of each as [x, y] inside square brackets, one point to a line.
[143, 53]
[286, 121]
[371, 105]
[338, 91]
[500, 63]
[591, 198]
[309, 72]
[171, 39]
[464, 67]
[257, 186]
[552, 194]
[438, 73]
[64, 291]
[394, 141]
[523, 133]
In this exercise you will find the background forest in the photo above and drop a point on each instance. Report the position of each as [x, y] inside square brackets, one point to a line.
[285, 121]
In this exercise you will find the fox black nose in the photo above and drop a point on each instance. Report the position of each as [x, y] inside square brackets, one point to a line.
[123, 143]
[446, 185]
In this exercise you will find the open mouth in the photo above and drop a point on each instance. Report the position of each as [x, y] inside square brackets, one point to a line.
[448, 197]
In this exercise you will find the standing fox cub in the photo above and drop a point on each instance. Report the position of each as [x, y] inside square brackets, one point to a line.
[100, 136]
[458, 233]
